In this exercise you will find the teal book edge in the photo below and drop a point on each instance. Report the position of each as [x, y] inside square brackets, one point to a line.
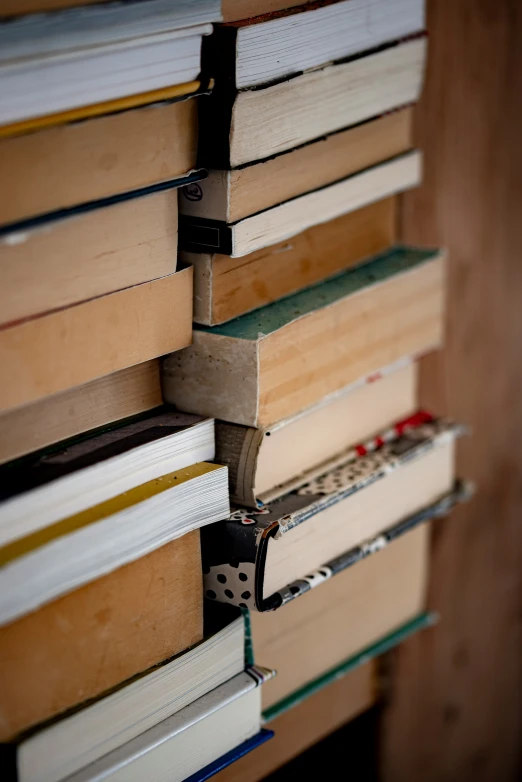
[282, 312]
[381, 646]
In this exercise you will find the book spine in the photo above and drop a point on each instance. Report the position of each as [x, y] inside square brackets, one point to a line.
[234, 555]
[218, 62]
[199, 235]
[237, 447]
[442, 507]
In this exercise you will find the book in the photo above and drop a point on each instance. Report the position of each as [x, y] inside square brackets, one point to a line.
[87, 254]
[266, 463]
[54, 484]
[284, 221]
[238, 127]
[309, 721]
[17, 7]
[185, 743]
[271, 364]
[107, 400]
[107, 52]
[311, 635]
[41, 566]
[71, 346]
[265, 557]
[73, 742]
[226, 287]
[85, 643]
[109, 155]
[230, 196]
[268, 49]
[102, 108]
[232, 9]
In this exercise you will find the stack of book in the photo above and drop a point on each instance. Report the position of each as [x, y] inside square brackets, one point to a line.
[110, 667]
[206, 415]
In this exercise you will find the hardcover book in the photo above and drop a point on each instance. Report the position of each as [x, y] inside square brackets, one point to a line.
[271, 364]
[310, 636]
[264, 558]
[90, 731]
[264, 464]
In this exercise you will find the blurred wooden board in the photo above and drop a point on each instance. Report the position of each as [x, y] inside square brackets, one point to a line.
[456, 705]
[303, 725]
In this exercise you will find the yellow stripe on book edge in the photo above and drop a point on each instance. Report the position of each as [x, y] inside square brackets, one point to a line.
[97, 109]
[23, 546]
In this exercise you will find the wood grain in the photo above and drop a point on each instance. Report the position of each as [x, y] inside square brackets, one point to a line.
[456, 708]
[307, 723]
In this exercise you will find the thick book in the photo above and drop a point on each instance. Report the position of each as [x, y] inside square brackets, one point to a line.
[107, 52]
[54, 484]
[83, 644]
[265, 50]
[187, 742]
[308, 637]
[53, 561]
[265, 366]
[266, 463]
[264, 558]
[62, 349]
[230, 196]
[75, 740]
[83, 161]
[198, 234]
[238, 127]
[78, 254]
[110, 400]
[226, 287]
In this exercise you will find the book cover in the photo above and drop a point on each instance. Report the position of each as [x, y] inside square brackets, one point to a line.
[234, 551]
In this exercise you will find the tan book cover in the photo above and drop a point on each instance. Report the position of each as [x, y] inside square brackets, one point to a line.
[226, 287]
[62, 416]
[92, 639]
[76, 162]
[345, 614]
[88, 254]
[55, 352]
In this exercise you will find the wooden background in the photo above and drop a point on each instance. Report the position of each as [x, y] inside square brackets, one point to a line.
[455, 710]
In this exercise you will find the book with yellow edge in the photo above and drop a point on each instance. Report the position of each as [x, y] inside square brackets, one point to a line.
[55, 560]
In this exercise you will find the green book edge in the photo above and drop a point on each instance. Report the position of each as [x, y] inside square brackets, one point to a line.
[274, 316]
[421, 621]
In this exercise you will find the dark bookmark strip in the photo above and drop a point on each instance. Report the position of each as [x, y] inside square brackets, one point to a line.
[90, 206]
